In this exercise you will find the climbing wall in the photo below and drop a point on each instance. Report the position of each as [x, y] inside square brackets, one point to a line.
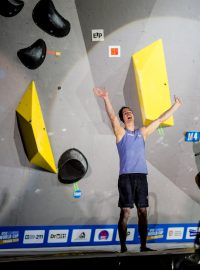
[58, 159]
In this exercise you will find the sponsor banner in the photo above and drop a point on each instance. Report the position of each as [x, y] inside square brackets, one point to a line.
[103, 234]
[9, 237]
[81, 235]
[155, 233]
[57, 236]
[175, 233]
[192, 232]
[130, 235]
[33, 237]
[17, 237]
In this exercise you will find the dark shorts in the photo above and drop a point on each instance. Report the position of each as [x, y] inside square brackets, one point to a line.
[133, 189]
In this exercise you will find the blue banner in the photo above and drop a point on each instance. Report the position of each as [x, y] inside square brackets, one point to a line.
[12, 237]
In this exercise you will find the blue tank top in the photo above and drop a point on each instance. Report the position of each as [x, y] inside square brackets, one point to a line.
[131, 150]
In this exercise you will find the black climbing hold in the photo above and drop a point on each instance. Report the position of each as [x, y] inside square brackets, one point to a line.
[72, 166]
[48, 19]
[10, 8]
[197, 179]
[33, 56]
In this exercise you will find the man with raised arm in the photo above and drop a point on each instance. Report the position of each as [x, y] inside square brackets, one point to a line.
[132, 182]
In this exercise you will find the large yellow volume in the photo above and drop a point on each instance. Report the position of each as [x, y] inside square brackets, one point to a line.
[152, 83]
[33, 130]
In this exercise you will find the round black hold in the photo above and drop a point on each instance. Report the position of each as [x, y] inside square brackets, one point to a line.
[72, 166]
[10, 8]
[33, 56]
[48, 19]
[197, 179]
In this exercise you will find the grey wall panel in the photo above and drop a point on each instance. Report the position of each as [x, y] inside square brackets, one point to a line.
[165, 20]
